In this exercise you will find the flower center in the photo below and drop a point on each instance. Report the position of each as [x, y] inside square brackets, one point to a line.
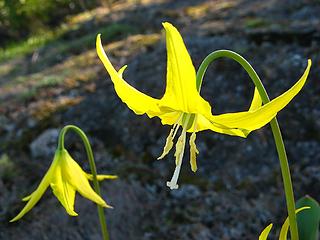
[187, 121]
[180, 146]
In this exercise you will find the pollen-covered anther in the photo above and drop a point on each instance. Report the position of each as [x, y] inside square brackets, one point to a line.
[168, 145]
[193, 152]
[180, 148]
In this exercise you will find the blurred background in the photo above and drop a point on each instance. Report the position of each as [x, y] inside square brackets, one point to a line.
[50, 76]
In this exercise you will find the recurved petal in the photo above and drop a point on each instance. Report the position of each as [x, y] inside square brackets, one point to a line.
[264, 234]
[137, 101]
[204, 124]
[285, 226]
[34, 197]
[76, 177]
[27, 198]
[256, 119]
[64, 191]
[181, 74]
[255, 104]
[256, 100]
[170, 118]
[181, 93]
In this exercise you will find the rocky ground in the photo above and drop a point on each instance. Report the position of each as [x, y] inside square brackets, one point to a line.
[237, 189]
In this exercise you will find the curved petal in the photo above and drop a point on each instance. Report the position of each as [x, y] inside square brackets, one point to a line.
[204, 124]
[255, 104]
[181, 93]
[265, 232]
[137, 101]
[170, 118]
[34, 197]
[285, 226]
[63, 191]
[256, 119]
[76, 177]
[256, 101]
[27, 198]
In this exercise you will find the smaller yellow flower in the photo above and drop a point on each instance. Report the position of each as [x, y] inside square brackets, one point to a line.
[65, 177]
[284, 229]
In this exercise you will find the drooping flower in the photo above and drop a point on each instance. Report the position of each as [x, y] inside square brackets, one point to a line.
[182, 105]
[284, 229]
[65, 177]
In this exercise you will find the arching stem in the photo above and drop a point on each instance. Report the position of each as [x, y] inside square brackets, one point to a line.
[274, 126]
[93, 169]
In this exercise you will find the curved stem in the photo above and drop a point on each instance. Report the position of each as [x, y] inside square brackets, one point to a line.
[274, 126]
[93, 169]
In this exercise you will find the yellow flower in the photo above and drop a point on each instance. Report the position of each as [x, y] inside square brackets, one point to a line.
[182, 105]
[65, 177]
[284, 229]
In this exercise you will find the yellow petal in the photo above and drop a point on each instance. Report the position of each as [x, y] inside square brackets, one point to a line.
[170, 118]
[255, 104]
[181, 93]
[256, 119]
[285, 226]
[204, 124]
[265, 232]
[27, 198]
[76, 177]
[63, 191]
[101, 177]
[256, 101]
[37, 194]
[137, 101]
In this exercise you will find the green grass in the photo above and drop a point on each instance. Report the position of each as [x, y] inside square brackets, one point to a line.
[49, 81]
[28, 46]
[46, 81]
[110, 32]
[53, 37]
[253, 23]
[55, 50]
[6, 167]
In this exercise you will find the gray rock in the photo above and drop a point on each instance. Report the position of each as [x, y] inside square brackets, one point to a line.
[45, 144]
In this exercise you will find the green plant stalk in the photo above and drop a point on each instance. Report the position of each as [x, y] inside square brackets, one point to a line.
[274, 126]
[93, 168]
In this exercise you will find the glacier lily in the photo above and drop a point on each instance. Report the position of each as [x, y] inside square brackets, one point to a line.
[284, 229]
[65, 177]
[182, 105]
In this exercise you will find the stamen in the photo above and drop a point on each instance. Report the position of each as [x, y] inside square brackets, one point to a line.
[193, 152]
[176, 130]
[168, 145]
[169, 140]
[180, 146]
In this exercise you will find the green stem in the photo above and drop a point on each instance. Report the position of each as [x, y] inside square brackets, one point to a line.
[274, 126]
[93, 168]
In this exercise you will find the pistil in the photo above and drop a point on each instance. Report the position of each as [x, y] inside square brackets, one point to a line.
[180, 146]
